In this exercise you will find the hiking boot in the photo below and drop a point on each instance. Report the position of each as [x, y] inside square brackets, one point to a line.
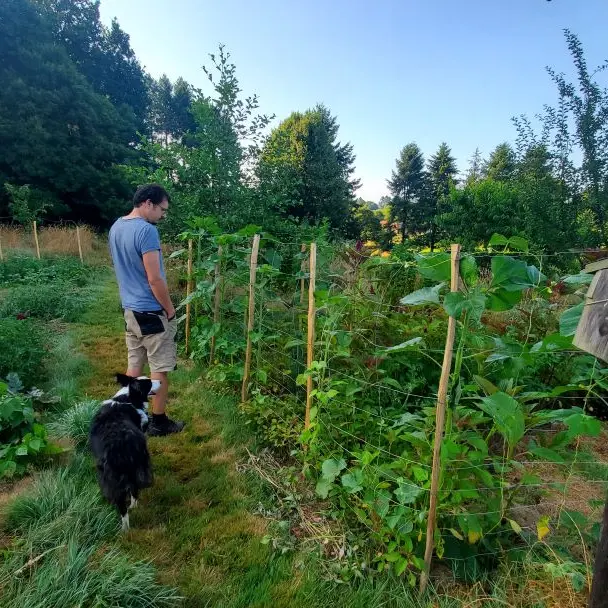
[161, 425]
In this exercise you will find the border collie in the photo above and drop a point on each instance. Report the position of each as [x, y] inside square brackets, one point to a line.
[119, 446]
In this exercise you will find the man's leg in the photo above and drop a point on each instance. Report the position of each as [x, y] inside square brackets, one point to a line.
[159, 402]
[162, 356]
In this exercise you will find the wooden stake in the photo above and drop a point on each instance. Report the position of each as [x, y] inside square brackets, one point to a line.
[79, 244]
[36, 241]
[311, 330]
[217, 300]
[188, 292]
[599, 597]
[439, 427]
[302, 269]
[253, 266]
[1, 254]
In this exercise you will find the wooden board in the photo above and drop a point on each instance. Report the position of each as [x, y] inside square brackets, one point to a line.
[595, 266]
[592, 330]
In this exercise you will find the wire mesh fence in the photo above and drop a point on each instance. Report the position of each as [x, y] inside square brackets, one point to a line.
[519, 460]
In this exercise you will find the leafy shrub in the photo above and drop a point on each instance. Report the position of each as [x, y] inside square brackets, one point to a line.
[22, 439]
[46, 301]
[24, 350]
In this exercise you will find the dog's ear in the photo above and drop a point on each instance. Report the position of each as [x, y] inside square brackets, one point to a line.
[123, 379]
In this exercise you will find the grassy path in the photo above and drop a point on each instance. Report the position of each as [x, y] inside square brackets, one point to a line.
[196, 524]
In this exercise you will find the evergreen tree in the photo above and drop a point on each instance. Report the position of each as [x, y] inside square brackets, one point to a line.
[475, 171]
[103, 55]
[442, 173]
[307, 174]
[407, 188]
[501, 164]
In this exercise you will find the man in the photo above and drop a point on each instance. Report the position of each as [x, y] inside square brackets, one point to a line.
[149, 314]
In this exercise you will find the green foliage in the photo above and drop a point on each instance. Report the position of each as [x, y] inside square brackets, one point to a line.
[24, 350]
[26, 205]
[45, 302]
[369, 448]
[52, 112]
[22, 439]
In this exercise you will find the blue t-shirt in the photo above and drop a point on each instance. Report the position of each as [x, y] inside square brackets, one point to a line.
[129, 240]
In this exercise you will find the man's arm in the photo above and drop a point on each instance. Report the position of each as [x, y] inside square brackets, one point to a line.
[157, 283]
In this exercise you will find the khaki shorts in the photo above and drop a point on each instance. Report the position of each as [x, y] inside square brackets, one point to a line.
[151, 339]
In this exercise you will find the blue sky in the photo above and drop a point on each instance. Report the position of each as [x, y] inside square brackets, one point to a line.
[393, 71]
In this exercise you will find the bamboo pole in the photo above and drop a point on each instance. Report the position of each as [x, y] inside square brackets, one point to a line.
[439, 426]
[311, 330]
[36, 240]
[217, 300]
[253, 266]
[188, 292]
[79, 244]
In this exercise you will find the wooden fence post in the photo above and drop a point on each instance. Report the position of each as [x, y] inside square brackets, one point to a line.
[253, 266]
[36, 241]
[188, 292]
[439, 425]
[1, 254]
[79, 244]
[311, 330]
[302, 269]
[217, 299]
[599, 597]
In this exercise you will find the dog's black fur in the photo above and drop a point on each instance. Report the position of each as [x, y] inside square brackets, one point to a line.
[119, 445]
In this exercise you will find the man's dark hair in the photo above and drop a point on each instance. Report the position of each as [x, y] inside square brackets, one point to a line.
[153, 192]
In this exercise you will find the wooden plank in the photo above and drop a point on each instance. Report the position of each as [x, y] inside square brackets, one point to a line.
[595, 266]
[592, 330]
[599, 594]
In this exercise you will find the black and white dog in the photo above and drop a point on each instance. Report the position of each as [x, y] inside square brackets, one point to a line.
[119, 445]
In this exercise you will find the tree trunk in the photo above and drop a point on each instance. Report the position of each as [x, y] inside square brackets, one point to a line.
[599, 589]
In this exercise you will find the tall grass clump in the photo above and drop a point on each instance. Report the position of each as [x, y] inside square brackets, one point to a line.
[63, 504]
[72, 574]
[74, 423]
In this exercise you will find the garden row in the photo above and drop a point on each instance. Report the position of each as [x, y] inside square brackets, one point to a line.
[351, 391]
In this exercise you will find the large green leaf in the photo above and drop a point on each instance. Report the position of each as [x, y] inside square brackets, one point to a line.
[403, 346]
[427, 295]
[500, 299]
[507, 414]
[456, 302]
[568, 322]
[332, 467]
[434, 266]
[407, 492]
[469, 271]
[514, 275]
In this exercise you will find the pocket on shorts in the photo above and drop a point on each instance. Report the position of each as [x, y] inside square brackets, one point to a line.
[150, 323]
